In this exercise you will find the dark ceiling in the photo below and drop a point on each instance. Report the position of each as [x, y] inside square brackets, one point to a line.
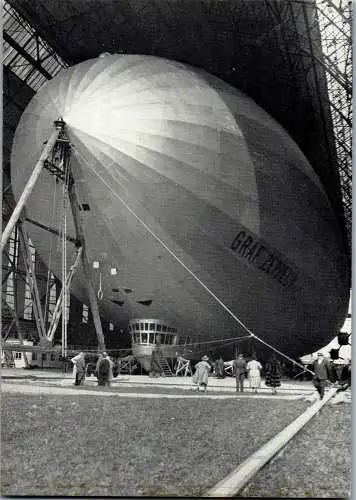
[260, 46]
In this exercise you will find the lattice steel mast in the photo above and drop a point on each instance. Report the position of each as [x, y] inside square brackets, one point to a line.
[321, 51]
[335, 21]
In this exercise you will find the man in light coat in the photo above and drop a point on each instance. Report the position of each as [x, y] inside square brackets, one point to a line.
[79, 368]
[201, 375]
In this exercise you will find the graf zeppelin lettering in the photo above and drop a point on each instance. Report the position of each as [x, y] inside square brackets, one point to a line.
[260, 255]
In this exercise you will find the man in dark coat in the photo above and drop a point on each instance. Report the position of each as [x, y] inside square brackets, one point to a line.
[273, 373]
[104, 370]
[239, 369]
[321, 374]
[220, 368]
[345, 377]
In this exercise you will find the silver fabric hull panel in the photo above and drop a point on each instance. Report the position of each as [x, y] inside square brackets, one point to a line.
[184, 174]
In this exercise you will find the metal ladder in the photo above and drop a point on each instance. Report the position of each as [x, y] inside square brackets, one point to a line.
[164, 365]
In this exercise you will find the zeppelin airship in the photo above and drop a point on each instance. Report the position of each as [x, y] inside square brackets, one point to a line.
[197, 207]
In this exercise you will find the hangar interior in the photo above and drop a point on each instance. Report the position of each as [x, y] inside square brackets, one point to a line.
[292, 57]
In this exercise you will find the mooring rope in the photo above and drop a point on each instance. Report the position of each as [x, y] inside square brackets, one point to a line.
[49, 273]
[203, 285]
[64, 274]
[205, 342]
[65, 304]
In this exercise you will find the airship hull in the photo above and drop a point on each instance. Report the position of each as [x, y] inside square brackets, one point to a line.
[205, 207]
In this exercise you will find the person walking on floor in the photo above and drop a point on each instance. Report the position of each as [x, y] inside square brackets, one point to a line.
[239, 370]
[79, 368]
[201, 375]
[104, 370]
[273, 373]
[254, 368]
[321, 371]
[220, 368]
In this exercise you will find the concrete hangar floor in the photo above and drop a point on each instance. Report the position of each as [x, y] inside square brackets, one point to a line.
[154, 437]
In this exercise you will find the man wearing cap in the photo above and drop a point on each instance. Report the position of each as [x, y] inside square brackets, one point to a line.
[321, 374]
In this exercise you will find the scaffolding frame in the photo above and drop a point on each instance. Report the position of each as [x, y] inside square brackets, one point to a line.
[325, 48]
[26, 53]
[335, 21]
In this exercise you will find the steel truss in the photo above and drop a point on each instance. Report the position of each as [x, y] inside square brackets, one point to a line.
[324, 48]
[335, 21]
[55, 157]
[26, 53]
[20, 240]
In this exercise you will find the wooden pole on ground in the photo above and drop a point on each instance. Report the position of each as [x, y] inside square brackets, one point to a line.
[234, 482]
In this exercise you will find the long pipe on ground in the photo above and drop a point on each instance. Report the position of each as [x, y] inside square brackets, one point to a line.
[235, 481]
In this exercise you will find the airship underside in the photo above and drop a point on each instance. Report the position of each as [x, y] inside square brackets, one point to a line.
[203, 204]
